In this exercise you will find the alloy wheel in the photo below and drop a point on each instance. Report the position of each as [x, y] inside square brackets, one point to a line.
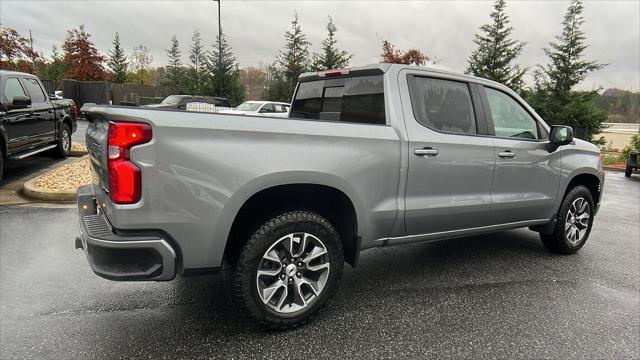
[66, 141]
[577, 221]
[293, 272]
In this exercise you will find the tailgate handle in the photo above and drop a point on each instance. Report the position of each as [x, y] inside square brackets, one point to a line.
[426, 152]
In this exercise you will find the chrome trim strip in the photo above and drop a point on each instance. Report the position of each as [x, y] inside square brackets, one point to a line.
[20, 157]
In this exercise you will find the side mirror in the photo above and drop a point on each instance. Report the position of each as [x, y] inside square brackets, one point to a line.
[20, 102]
[560, 135]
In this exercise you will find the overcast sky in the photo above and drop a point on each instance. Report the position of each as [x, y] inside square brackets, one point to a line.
[255, 29]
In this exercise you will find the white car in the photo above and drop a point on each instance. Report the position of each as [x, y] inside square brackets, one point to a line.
[263, 108]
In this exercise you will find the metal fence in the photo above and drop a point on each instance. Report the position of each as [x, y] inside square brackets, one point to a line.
[49, 86]
[104, 92]
[82, 92]
[140, 94]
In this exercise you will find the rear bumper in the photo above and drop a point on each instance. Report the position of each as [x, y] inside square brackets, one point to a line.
[118, 257]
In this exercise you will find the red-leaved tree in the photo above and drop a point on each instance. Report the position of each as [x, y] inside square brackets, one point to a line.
[16, 53]
[410, 57]
[84, 61]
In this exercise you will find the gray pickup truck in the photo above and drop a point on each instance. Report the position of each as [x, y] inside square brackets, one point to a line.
[373, 156]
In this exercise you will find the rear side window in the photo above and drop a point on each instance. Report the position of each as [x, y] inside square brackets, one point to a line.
[12, 88]
[34, 90]
[356, 99]
[267, 108]
[443, 105]
[510, 119]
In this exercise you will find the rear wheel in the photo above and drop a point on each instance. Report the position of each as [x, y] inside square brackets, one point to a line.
[64, 141]
[574, 222]
[287, 271]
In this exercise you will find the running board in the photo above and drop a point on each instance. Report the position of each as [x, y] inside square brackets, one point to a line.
[37, 151]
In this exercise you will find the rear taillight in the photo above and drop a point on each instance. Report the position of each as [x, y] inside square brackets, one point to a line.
[125, 183]
[75, 111]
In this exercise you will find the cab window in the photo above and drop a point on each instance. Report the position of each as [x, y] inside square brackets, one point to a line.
[358, 99]
[443, 105]
[510, 119]
[12, 88]
[34, 90]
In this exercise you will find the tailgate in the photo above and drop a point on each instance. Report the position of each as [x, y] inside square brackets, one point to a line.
[96, 139]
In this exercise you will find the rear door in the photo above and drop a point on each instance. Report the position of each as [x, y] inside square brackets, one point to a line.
[451, 158]
[43, 119]
[527, 176]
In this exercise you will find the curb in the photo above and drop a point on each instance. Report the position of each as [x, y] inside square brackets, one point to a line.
[78, 153]
[30, 189]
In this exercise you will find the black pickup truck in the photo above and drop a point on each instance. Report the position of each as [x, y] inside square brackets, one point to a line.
[30, 121]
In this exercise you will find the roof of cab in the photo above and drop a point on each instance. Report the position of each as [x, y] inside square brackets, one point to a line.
[8, 72]
[384, 67]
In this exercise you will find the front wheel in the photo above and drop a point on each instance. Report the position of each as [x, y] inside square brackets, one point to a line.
[64, 141]
[574, 222]
[288, 270]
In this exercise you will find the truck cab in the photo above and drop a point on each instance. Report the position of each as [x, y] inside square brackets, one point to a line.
[373, 156]
[30, 122]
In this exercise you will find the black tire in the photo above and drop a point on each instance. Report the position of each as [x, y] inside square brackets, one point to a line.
[558, 242]
[241, 279]
[628, 171]
[64, 141]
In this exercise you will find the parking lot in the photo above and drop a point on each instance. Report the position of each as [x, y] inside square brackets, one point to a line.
[500, 295]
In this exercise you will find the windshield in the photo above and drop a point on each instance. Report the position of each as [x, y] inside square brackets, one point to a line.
[249, 106]
[172, 99]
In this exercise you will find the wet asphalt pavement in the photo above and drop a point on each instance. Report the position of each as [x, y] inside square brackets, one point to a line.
[492, 296]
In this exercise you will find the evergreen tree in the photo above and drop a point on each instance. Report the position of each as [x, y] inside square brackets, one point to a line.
[117, 62]
[496, 54]
[566, 68]
[174, 73]
[553, 96]
[331, 57]
[292, 61]
[53, 69]
[226, 75]
[197, 58]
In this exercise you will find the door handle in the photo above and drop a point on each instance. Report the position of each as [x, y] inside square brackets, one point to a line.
[425, 152]
[507, 154]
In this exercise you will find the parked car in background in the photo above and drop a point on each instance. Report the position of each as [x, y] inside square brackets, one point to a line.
[264, 108]
[30, 121]
[374, 156]
[179, 102]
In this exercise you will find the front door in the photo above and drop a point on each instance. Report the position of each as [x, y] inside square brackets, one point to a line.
[450, 165]
[527, 176]
[19, 122]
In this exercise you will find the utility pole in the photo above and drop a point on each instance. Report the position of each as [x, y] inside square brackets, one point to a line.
[219, 51]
